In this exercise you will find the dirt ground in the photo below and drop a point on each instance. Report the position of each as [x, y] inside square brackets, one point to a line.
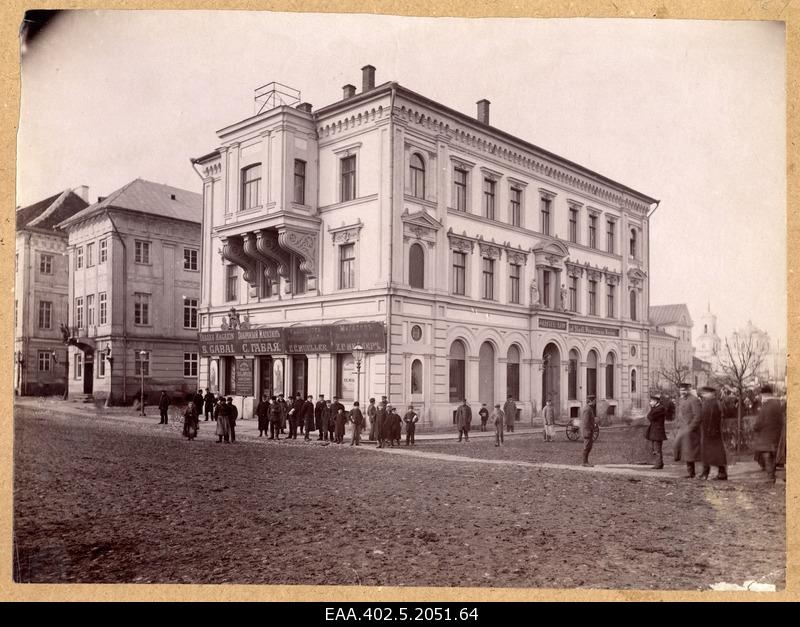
[114, 502]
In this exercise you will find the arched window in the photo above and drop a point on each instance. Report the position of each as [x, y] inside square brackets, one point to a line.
[416, 377]
[610, 375]
[572, 376]
[417, 176]
[633, 381]
[705, 328]
[458, 361]
[416, 266]
[633, 305]
[591, 374]
[633, 243]
[512, 373]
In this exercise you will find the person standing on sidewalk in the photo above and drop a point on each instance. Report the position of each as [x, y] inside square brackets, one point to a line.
[767, 429]
[498, 417]
[484, 414]
[358, 423]
[712, 449]
[549, 415]
[327, 419]
[656, 432]
[163, 406]
[295, 415]
[687, 442]
[262, 412]
[208, 405]
[463, 420]
[411, 419]
[274, 419]
[510, 411]
[371, 412]
[284, 408]
[587, 428]
[341, 421]
[233, 414]
[191, 421]
[307, 413]
[381, 424]
[333, 410]
[318, 409]
[197, 399]
[223, 429]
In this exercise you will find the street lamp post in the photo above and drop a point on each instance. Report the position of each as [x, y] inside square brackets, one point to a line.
[358, 355]
[141, 371]
[106, 354]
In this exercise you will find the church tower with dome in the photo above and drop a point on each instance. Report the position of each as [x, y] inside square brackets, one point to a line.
[708, 343]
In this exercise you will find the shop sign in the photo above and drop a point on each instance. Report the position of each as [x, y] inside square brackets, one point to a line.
[547, 323]
[593, 330]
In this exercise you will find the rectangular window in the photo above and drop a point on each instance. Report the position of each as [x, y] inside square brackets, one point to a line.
[141, 365]
[190, 364]
[592, 231]
[141, 251]
[488, 279]
[89, 255]
[573, 225]
[610, 235]
[189, 313]
[300, 284]
[231, 282]
[572, 379]
[45, 314]
[515, 271]
[610, 301]
[103, 318]
[46, 264]
[90, 309]
[592, 297]
[515, 208]
[101, 365]
[459, 273]
[573, 293]
[45, 361]
[546, 288]
[78, 365]
[79, 312]
[141, 309]
[347, 266]
[190, 259]
[488, 198]
[251, 187]
[300, 181]
[460, 189]
[79, 257]
[266, 284]
[348, 176]
[457, 379]
[545, 215]
[102, 251]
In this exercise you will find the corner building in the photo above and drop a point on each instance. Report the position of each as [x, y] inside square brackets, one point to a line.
[466, 261]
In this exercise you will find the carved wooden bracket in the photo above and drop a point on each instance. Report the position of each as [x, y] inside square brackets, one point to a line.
[251, 248]
[268, 248]
[302, 244]
[233, 250]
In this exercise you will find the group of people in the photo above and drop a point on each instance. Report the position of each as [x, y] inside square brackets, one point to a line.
[221, 408]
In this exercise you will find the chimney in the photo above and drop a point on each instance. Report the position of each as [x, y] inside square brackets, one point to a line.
[172, 196]
[101, 198]
[349, 91]
[82, 192]
[367, 78]
[483, 111]
[304, 107]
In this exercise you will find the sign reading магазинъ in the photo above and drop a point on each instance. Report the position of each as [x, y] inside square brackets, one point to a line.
[547, 323]
[328, 338]
[593, 330]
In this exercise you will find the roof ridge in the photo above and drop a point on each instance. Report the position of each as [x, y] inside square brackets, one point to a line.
[62, 197]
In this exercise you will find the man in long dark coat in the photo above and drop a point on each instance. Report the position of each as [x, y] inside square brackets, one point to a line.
[284, 407]
[208, 404]
[163, 407]
[318, 409]
[687, 442]
[656, 432]
[274, 419]
[767, 429]
[510, 412]
[463, 420]
[411, 419]
[381, 424]
[295, 415]
[262, 413]
[357, 419]
[307, 414]
[396, 430]
[327, 420]
[233, 414]
[712, 449]
[588, 421]
[335, 405]
[197, 399]
[371, 413]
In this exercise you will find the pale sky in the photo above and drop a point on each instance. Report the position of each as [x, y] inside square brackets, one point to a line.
[689, 112]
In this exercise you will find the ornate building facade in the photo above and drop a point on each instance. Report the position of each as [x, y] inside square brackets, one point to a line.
[466, 261]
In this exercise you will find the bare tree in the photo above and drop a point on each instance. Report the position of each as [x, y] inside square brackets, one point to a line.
[740, 362]
[673, 375]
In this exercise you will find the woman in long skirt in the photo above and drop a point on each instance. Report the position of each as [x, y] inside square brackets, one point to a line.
[221, 416]
[191, 421]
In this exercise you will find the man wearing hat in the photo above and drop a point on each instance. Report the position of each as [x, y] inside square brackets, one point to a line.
[510, 412]
[687, 442]
[381, 424]
[767, 429]
[463, 420]
[411, 419]
[655, 431]
[498, 416]
[587, 428]
[712, 449]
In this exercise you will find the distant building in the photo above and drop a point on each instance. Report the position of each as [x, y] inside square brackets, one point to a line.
[709, 344]
[40, 292]
[676, 321]
[662, 348]
[134, 289]
[702, 373]
[466, 261]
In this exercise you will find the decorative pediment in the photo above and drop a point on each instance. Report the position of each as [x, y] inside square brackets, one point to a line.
[635, 274]
[551, 253]
[419, 225]
[346, 234]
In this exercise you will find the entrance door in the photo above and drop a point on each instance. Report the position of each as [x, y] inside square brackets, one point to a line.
[551, 376]
[486, 374]
[299, 378]
[265, 383]
[88, 377]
